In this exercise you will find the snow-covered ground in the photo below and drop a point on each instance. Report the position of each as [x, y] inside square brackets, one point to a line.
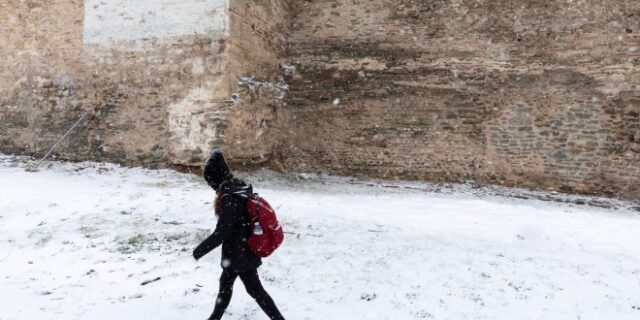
[78, 240]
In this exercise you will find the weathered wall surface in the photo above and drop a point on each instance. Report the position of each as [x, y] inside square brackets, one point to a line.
[527, 93]
[38, 56]
[154, 77]
[164, 64]
[138, 74]
[256, 50]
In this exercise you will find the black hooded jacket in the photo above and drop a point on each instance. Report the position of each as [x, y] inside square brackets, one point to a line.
[233, 230]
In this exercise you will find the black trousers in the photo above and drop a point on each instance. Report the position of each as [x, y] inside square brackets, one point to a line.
[254, 288]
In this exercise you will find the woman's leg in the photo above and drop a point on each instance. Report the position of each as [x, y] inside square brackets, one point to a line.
[224, 294]
[254, 288]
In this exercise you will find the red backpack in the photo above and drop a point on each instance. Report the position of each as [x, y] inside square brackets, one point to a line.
[267, 234]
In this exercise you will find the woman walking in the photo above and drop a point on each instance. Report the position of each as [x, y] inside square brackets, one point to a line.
[232, 231]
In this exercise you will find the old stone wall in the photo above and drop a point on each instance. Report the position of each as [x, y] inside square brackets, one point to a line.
[533, 93]
[256, 51]
[35, 50]
[523, 93]
[158, 80]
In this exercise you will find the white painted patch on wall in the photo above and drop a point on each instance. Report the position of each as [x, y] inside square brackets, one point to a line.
[109, 21]
[192, 123]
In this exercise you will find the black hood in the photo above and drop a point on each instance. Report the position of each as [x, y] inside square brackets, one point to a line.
[216, 170]
[237, 187]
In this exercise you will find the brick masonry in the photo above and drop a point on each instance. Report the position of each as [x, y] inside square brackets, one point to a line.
[540, 94]
[157, 80]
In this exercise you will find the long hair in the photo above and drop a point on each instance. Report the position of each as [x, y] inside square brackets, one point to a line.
[219, 196]
[216, 204]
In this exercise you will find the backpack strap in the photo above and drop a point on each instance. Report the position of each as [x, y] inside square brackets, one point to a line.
[256, 198]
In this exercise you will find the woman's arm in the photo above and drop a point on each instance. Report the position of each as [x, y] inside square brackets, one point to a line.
[224, 228]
